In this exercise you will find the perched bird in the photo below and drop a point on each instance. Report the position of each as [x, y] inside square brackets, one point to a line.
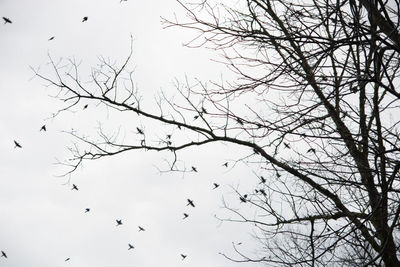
[194, 169]
[203, 110]
[74, 187]
[87, 210]
[119, 222]
[130, 246]
[262, 192]
[286, 145]
[255, 151]
[17, 144]
[85, 106]
[7, 20]
[183, 256]
[84, 19]
[67, 259]
[239, 121]
[3, 254]
[216, 185]
[168, 136]
[140, 131]
[278, 175]
[311, 150]
[190, 202]
[51, 38]
[262, 180]
[141, 229]
[43, 128]
[185, 215]
[243, 199]
[225, 164]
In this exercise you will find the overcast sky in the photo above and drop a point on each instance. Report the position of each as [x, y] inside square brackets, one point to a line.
[42, 220]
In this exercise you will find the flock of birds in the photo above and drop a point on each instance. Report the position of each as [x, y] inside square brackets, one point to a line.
[119, 222]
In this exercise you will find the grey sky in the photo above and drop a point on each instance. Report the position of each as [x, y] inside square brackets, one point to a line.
[43, 221]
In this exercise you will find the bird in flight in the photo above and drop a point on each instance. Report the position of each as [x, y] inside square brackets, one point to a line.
[67, 259]
[185, 215]
[183, 256]
[51, 38]
[311, 150]
[140, 131]
[74, 187]
[17, 144]
[43, 128]
[190, 202]
[7, 20]
[87, 210]
[141, 229]
[194, 169]
[243, 199]
[3, 254]
[119, 222]
[85, 106]
[216, 185]
[286, 145]
[84, 19]
[130, 246]
[262, 180]
[225, 164]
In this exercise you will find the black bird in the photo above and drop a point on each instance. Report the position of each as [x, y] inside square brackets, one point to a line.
[203, 110]
[255, 151]
[85, 106]
[168, 136]
[190, 202]
[67, 259]
[185, 215]
[194, 169]
[87, 210]
[43, 128]
[225, 164]
[216, 185]
[17, 144]
[286, 145]
[183, 256]
[119, 222]
[84, 19]
[140, 131]
[51, 38]
[239, 121]
[262, 180]
[7, 20]
[3, 254]
[278, 175]
[74, 187]
[130, 246]
[263, 192]
[141, 229]
[243, 199]
[195, 117]
[311, 150]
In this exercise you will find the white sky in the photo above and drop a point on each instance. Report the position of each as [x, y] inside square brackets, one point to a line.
[43, 221]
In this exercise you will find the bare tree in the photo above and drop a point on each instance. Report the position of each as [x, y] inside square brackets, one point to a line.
[315, 100]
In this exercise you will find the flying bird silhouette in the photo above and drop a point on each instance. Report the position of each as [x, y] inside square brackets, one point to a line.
[84, 19]
[140, 131]
[17, 144]
[3, 254]
[216, 185]
[194, 169]
[183, 256]
[87, 210]
[7, 20]
[119, 222]
[225, 164]
[85, 106]
[67, 259]
[203, 110]
[168, 136]
[74, 187]
[130, 246]
[190, 202]
[43, 128]
[185, 215]
[287, 145]
[262, 180]
[141, 229]
[311, 150]
[51, 38]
